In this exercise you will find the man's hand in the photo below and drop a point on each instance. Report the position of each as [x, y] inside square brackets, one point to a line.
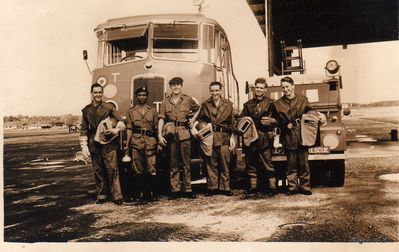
[322, 119]
[233, 142]
[83, 145]
[86, 152]
[114, 131]
[162, 141]
[266, 121]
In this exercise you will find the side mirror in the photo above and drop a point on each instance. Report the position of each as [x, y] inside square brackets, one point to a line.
[85, 55]
[346, 111]
[225, 46]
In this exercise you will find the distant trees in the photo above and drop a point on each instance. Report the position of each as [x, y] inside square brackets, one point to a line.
[374, 104]
[68, 119]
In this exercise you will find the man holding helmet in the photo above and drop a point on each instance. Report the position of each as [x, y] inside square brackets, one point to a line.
[101, 124]
[290, 108]
[258, 154]
[219, 112]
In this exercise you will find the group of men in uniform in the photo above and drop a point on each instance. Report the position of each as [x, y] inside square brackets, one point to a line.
[172, 129]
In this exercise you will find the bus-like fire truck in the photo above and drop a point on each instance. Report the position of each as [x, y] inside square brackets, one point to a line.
[149, 50]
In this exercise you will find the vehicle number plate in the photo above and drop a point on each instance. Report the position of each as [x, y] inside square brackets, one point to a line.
[319, 150]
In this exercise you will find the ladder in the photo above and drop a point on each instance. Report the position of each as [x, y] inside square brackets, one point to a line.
[291, 58]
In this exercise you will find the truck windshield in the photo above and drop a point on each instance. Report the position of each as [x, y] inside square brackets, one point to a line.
[176, 41]
[320, 95]
[124, 44]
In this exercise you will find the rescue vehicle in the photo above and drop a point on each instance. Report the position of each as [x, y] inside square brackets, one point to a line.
[327, 157]
[149, 50]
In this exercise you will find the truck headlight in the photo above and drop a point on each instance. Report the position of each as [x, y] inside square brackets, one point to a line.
[331, 141]
[332, 67]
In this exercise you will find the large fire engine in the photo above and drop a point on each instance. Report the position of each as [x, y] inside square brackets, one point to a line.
[149, 50]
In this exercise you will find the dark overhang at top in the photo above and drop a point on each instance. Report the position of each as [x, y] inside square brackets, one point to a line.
[324, 23]
[328, 22]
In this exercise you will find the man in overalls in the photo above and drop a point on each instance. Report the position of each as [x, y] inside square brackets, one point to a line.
[258, 155]
[290, 108]
[219, 112]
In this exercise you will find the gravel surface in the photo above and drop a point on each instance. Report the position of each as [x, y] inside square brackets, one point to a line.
[52, 200]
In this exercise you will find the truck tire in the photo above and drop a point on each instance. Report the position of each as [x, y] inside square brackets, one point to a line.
[337, 173]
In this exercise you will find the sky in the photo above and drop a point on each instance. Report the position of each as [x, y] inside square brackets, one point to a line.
[42, 70]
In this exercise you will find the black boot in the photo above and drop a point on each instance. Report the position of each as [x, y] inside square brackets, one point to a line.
[152, 187]
[139, 188]
[145, 189]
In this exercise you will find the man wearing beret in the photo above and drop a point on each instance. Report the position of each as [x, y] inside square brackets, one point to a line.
[141, 134]
[290, 108]
[258, 154]
[219, 112]
[103, 155]
[177, 108]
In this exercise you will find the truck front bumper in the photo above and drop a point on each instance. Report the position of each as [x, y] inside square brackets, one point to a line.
[331, 156]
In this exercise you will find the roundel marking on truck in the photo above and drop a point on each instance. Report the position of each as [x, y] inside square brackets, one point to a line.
[110, 90]
[102, 81]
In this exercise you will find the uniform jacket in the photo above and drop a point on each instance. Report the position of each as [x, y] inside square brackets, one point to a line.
[91, 117]
[221, 116]
[256, 109]
[185, 107]
[148, 121]
[288, 111]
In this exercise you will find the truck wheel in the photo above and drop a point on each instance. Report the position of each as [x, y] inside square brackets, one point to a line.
[337, 173]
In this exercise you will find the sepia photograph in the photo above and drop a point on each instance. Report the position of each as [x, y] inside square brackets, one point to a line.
[229, 125]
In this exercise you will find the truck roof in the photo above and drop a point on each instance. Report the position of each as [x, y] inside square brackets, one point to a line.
[145, 19]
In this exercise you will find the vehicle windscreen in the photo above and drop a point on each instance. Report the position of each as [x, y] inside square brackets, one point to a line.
[176, 41]
[124, 44]
[318, 94]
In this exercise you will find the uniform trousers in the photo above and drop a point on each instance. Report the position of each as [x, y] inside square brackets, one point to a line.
[179, 152]
[260, 169]
[106, 174]
[217, 167]
[298, 168]
[142, 163]
[144, 170]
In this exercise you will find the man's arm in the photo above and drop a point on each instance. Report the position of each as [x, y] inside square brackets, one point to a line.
[84, 137]
[162, 141]
[272, 116]
[195, 107]
[129, 130]
[161, 122]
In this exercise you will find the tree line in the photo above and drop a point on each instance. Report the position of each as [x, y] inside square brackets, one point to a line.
[375, 104]
[67, 119]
